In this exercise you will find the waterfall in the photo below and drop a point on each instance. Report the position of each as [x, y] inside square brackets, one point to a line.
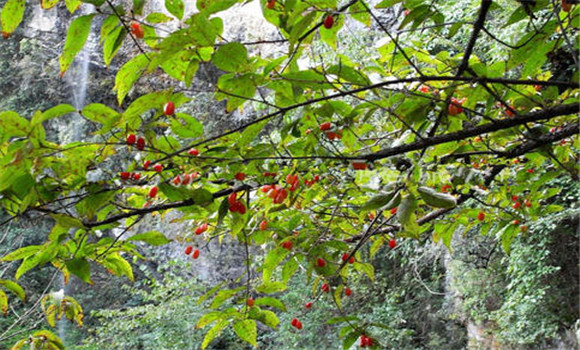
[78, 79]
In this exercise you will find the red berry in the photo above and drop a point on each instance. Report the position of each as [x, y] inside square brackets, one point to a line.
[325, 126]
[131, 138]
[308, 305]
[509, 113]
[232, 198]
[188, 250]
[517, 205]
[146, 164]
[325, 288]
[137, 31]
[241, 208]
[348, 292]
[240, 176]
[135, 176]
[566, 6]
[359, 165]
[294, 322]
[169, 108]
[351, 260]
[270, 5]
[531, 171]
[201, 228]
[280, 196]
[524, 228]
[320, 262]
[298, 325]
[125, 175]
[250, 302]
[392, 243]
[263, 225]
[140, 143]
[528, 203]
[158, 168]
[394, 211]
[481, 216]
[195, 254]
[344, 257]
[153, 191]
[514, 198]
[286, 245]
[455, 107]
[363, 341]
[186, 179]
[516, 222]
[193, 152]
[328, 22]
[176, 181]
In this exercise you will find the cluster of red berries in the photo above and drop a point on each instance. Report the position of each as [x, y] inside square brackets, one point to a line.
[345, 258]
[236, 206]
[314, 180]
[296, 323]
[139, 142]
[188, 251]
[331, 131]
[125, 175]
[184, 179]
[277, 193]
[293, 181]
[365, 341]
[517, 204]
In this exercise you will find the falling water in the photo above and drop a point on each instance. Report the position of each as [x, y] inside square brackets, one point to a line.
[78, 79]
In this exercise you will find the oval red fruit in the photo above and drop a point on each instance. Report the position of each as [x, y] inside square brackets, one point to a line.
[351, 260]
[135, 176]
[140, 143]
[528, 203]
[125, 175]
[517, 205]
[294, 322]
[196, 254]
[158, 168]
[344, 257]
[328, 22]
[394, 211]
[299, 325]
[232, 198]
[320, 262]
[250, 302]
[136, 30]
[481, 216]
[392, 243]
[153, 191]
[359, 166]
[325, 288]
[188, 250]
[286, 245]
[131, 139]
[146, 164]
[176, 181]
[193, 152]
[325, 126]
[308, 305]
[263, 225]
[348, 292]
[169, 108]
[270, 5]
[240, 176]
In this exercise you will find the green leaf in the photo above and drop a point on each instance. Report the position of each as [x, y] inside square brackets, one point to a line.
[11, 16]
[128, 75]
[214, 332]
[236, 89]
[158, 17]
[138, 6]
[3, 302]
[175, 7]
[232, 57]
[269, 301]
[118, 266]
[186, 126]
[46, 254]
[213, 6]
[152, 237]
[12, 124]
[272, 287]
[224, 295]
[76, 37]
[437, 199]
[72, 5]
[113, 43]
[267, 317]
[387, 3]
[22, 253]
[342, 319]
[247, 331]
[53, 112]
[273, 258]
[81, 268]
[14, 288]
[67, 221]
[378, 201]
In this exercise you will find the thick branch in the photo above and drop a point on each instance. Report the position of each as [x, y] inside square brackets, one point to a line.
[485, 4]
